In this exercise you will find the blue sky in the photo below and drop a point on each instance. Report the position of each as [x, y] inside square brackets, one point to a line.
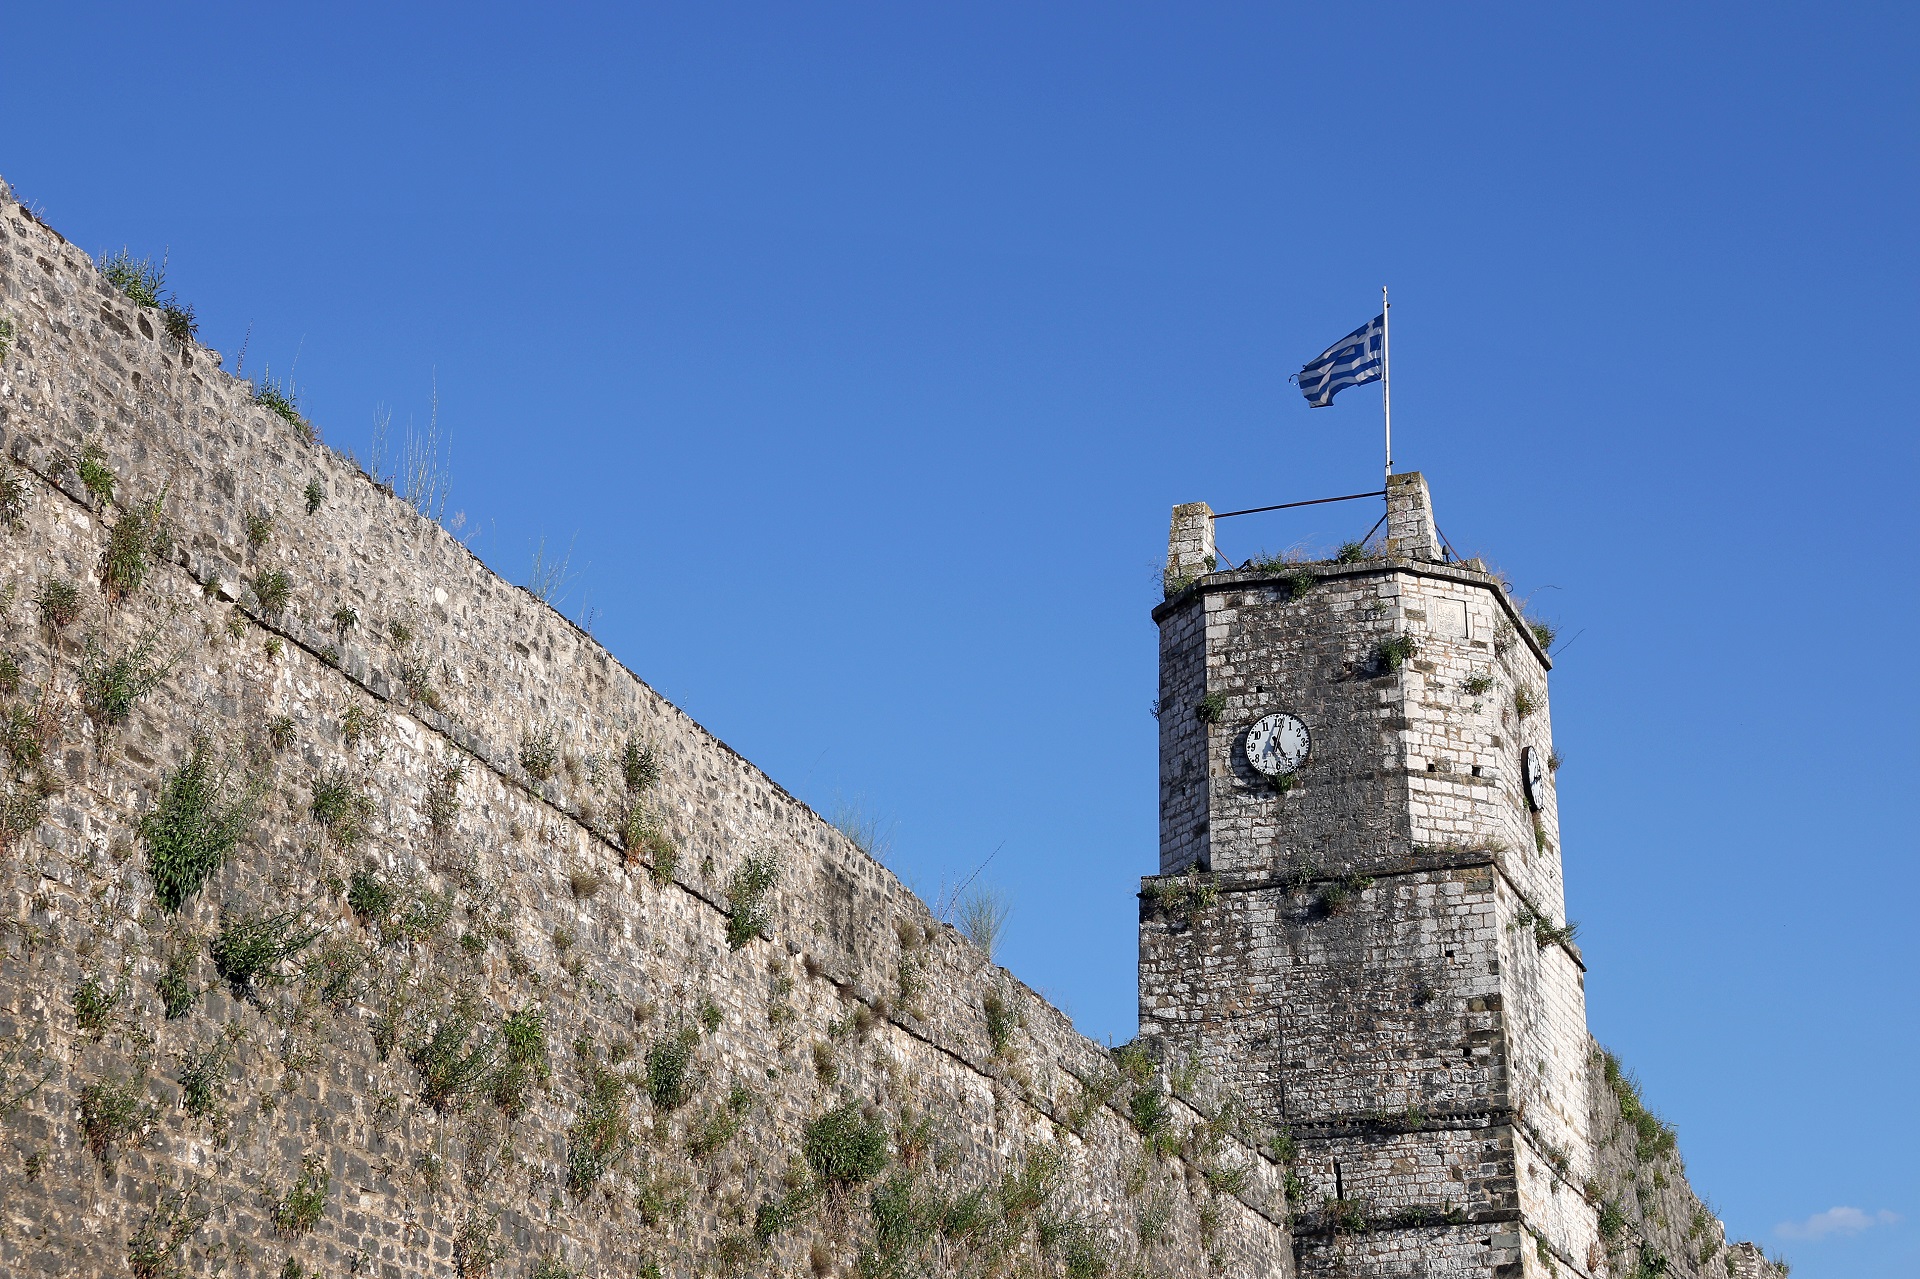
[860, 351]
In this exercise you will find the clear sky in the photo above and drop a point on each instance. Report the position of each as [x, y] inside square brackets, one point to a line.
[859, 353]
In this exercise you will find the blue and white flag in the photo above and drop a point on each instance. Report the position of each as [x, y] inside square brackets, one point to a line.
[1354, 359]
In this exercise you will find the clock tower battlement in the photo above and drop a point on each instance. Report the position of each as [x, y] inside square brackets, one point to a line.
[1358, 924]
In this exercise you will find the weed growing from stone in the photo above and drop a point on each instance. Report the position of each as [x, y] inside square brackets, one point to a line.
[259, 529]
[443, 795]
[457, 1059]
[523, 1061]
[600, 1133]
[1394, 652]
[249, 947]
[720, 1124]
[372, 900]
[982, 916]
[845, 1146]
[6, 338]
[539, 753]
[26, 732]
[671, 1079]
[1210, 708]
[475, 1250]
[58, 602]
[416, 680]
[272, 591]
[175, 985]
[94, 1002]
[338, 970]
[747, 896]
[138, 535]
[90, 464]
[13, 489]
[110, 687]
[1545, 932]
[140, 279]
[112, 1111]
[282, 400]
[356, 724]
[300, 1208]
[154, 1250]
[1477, 685]
[1543, 632]
[1003, 1018]
[341, 808]
[315, 494]
[202, 1075]
[1350, 553]
[639, 766]
[178, 319]
[583, 883]
[550, 1267]
[199, 820]
[1026, 1190]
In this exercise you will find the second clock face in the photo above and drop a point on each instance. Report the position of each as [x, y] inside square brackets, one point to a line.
[1533, 772]
[1278, 744]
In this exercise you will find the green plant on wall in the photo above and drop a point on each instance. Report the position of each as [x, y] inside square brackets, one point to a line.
[199, 819]
[539, 752]
[203, 1074]
[58, 603]
[601, 1131]
[94, 1002]
[90, 464]
[112, 685]
[670, 1076]
[272, 591]
[1395, 651]
[140, 279]
[279, 398]
[846, 1146]
[13, 494]
[138, 536]
[298, 1211]
[113, 1110]
[524, 1068]
[748, 894]
[341, 808]
[457, 1055]
[157, 1249]
[249, 946]
[639, 766]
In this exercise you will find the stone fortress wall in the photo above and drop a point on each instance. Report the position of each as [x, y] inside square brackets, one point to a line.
[1374, 950]
[468, 996]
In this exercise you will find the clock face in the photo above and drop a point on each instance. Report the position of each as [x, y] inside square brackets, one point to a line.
[1533, 770]
[1278, 744]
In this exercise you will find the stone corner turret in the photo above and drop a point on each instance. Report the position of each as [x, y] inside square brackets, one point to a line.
[1410, 529]
[1190, 550]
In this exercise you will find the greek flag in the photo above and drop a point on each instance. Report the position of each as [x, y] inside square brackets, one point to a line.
[1352, 360]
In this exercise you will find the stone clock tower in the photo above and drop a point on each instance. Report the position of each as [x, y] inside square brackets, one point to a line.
[1360, 929]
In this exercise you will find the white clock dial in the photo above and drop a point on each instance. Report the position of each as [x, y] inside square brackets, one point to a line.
[1278, 744]
[1533, 771]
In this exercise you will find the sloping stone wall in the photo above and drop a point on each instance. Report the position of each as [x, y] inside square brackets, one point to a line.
[731, 999]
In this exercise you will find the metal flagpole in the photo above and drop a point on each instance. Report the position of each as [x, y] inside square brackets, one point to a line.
[1386, 391]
